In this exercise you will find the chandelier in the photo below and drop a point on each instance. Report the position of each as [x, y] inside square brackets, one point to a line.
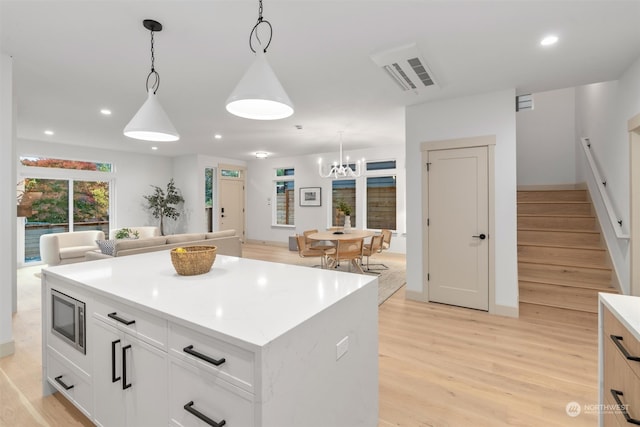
[341, 169]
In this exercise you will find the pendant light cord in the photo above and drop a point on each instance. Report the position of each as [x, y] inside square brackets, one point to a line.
[261, 20]
[153, 72]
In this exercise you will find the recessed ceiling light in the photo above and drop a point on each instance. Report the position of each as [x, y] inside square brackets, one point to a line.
[105, 111]
[154, 148]
[217, 136]
[261, 155]
[549, 40]
[48, 132]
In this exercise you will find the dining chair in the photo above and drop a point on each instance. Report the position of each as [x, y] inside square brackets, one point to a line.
[348, 250]
[372, 248]
[306, 252]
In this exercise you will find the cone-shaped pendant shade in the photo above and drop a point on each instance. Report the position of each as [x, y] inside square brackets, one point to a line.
[151, 123]
[259, 94]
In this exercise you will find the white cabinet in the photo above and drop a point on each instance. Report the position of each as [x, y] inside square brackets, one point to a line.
[69, 380]
[130, 379]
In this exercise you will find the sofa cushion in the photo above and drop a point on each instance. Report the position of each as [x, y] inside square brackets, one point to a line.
[125, 244]
[75, 251]
[180, 238]
[217, 234]
[106, 246]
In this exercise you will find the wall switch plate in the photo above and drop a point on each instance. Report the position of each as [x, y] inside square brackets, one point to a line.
[342, 347]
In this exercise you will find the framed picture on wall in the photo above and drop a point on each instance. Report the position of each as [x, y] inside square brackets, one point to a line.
[310, 196]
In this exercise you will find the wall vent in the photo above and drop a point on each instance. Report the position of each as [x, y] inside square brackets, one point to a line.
[406, 67]
[524, 102]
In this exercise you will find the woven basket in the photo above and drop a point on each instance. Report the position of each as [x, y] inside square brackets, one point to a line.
[195, 259]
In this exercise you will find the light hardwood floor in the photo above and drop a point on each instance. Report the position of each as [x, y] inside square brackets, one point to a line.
[439, 366]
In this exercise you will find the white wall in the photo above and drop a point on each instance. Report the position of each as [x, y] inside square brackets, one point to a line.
[602, 112]
[487, 114]
[548, 128]
[134, 174]
[260, 193]
[8, 212]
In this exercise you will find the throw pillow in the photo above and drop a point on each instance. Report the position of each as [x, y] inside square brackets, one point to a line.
[106, 246]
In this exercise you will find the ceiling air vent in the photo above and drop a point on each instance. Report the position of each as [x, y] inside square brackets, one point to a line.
[406, 67]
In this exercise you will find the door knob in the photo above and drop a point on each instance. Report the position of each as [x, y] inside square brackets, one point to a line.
[481, 236]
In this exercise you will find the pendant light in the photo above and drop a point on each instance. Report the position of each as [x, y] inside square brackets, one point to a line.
[259, 94]
[151, 123]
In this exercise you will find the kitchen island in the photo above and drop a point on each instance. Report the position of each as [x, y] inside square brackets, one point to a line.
[251, 343]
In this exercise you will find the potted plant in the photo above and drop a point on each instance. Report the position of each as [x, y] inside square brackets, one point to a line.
[343, 207]
[127, 233]
[163, 204]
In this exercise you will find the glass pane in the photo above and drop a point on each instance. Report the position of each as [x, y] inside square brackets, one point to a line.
[45, 204]
[285, 172]
[230, 173]
[381, 202]
[285, 203]
[91, 206]
[373, 166]
[208, 197]
[343, 190]
[43, 162]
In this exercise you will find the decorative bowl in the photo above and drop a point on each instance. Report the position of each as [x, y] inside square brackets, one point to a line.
[193, 260]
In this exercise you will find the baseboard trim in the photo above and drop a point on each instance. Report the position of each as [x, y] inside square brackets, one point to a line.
[577, 186]
[7, 348]
[507, 311]
[415, 296]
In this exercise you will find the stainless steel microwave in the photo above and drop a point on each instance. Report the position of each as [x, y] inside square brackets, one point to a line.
[68, 320]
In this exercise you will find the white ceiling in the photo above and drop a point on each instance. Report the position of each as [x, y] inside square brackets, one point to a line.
[72, 58]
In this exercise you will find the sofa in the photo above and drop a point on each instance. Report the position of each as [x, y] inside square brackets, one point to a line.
[227, 242]
[68, 247]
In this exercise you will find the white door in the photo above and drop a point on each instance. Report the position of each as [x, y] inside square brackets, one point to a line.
[458, 223]
[231, 209]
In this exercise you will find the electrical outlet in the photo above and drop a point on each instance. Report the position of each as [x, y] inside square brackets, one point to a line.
[342, 347]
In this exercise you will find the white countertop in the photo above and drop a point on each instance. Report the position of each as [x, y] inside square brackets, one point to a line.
[626, 309]
[253, 301]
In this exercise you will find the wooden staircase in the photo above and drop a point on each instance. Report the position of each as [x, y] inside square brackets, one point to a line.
[562, 260]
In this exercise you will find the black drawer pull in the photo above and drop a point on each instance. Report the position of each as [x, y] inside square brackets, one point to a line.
[59, 381]
[113, 361]
[115, 316]
[622, 407]
[190, 409]
[191, 351]
[617, 340]
[124, 367]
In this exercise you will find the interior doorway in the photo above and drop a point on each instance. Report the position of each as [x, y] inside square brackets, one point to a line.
[458, 222]
[231, 215]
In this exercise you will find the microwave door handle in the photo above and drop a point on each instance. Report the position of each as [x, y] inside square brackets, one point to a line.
[80, 328]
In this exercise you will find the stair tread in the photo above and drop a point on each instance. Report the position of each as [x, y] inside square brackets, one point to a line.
[564, 263]
[554, 202]
[556, 215]
[560, 305]
[559, 230]
[565, 246]
[600, 287]
[536, 313]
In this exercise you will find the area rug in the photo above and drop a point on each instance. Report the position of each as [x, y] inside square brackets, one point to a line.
[389, 281]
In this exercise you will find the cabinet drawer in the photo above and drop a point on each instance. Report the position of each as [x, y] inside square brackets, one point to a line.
[144, 326]
[238, 365]
[70, 381]
[612, 326]
[207, 395]
[620, 377]
[609, 416]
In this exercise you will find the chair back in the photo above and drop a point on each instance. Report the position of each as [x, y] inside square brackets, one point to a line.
[386, 239]
[376, 243]
[306, 235]
[349, 249]
[302, 243]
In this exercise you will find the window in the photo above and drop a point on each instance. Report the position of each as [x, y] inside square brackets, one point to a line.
[43, 162]
[230, 173]
[285, 197]
[343, 190]
[381, 202]
[375, 166]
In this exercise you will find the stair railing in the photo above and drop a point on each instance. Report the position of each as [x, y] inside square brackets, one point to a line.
[616, 221]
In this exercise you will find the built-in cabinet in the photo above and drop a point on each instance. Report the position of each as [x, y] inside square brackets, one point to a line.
[619, 336]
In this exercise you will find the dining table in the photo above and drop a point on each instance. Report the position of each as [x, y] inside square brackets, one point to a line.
[336, 235]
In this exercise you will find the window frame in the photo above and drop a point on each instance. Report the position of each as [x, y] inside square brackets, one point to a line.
[274, 189]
